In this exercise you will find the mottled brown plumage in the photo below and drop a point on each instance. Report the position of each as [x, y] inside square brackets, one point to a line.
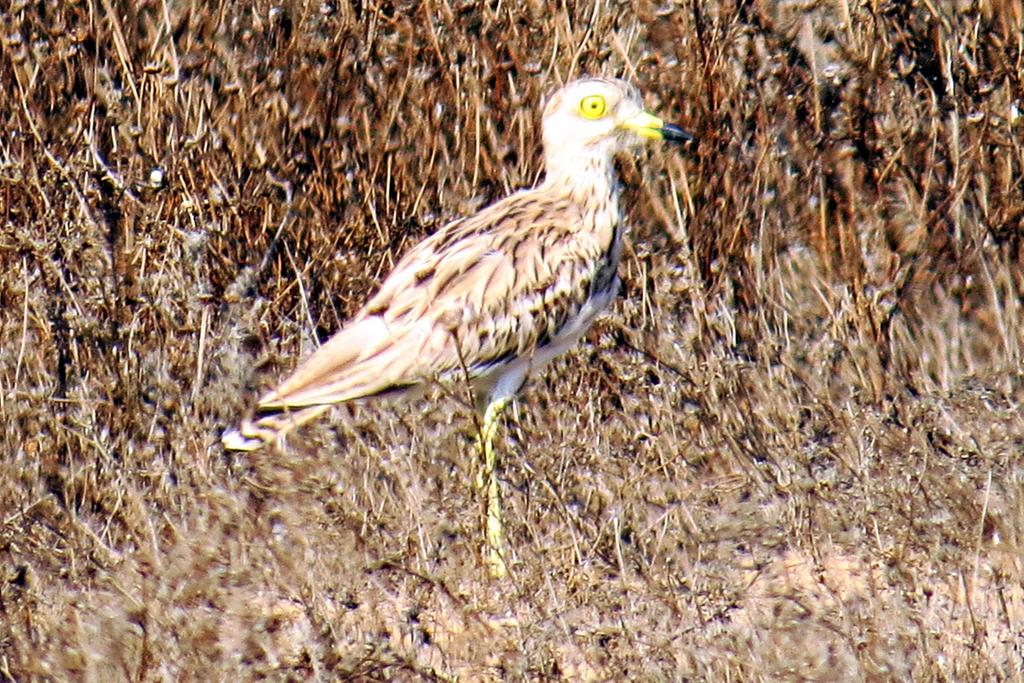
[495, 295]
[479, 291]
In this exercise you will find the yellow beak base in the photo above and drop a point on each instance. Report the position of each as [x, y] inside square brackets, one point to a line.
[645, 125]
[648, 125]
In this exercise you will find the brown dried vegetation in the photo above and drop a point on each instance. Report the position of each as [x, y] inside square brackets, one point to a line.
[793, 450]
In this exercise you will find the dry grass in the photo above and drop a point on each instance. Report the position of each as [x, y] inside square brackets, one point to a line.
[794, 450]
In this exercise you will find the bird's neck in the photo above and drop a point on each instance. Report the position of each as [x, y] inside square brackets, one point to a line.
[586, 177]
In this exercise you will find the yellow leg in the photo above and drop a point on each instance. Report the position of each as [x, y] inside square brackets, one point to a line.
[486, 480]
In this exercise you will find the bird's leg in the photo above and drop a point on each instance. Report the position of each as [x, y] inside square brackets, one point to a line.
[486, 480]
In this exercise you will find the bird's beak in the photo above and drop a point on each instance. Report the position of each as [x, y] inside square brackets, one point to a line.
[648, 125]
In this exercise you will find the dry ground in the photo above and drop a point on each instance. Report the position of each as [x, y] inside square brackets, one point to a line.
[793, 450]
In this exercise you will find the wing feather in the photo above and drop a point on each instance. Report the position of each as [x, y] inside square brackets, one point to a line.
[478, 291]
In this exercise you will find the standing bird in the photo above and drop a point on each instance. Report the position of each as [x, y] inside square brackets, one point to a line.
[491, 297]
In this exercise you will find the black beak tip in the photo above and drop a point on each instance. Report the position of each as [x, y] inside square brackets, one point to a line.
[674, 133]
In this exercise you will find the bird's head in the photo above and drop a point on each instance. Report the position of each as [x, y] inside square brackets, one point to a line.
[598, 117]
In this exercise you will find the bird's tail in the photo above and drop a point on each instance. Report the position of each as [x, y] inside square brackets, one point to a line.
[268, 426]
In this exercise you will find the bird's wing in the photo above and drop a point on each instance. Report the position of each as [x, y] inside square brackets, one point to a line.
[478, 291]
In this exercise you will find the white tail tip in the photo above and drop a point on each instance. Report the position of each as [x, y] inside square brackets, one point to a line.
[234, 440]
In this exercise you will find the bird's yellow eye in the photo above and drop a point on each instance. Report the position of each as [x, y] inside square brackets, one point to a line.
[593, 106]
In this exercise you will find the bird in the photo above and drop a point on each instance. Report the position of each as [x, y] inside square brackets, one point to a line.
[488, 298]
